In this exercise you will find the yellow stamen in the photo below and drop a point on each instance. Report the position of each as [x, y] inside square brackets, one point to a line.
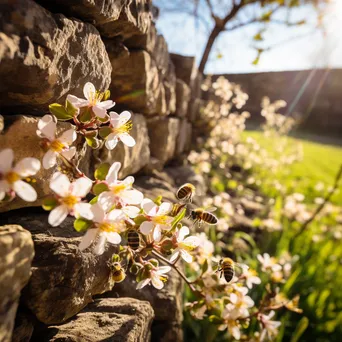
[57, 146]
[186, 246]
[125, 128]
[107, 227]
[12, 177]
[70, 201]
[116, 189]
[163, 219]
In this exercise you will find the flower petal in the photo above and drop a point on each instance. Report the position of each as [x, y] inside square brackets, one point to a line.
[68, 136]
[99, 112]
[58, 215]
[132, 196]
[83, 210]
[106, 200]
[182, 233]
[149, 207]
[47, 127]
[98, 213]
[6, 160]
[157, 233]
[81, 187]
[77, 102]
[111, 141]
[60, 184]
[128, 181]
[124, 117]
[156, 282]
[88, 238]
[143, 283]
[131, 211]
[27, 167]
[186, 256]
[174, 256]
[49, 159]
[89, 91]
[192, 241]
[112, 175]
[69, 154]
[127, 139]
[164, 208]
[113, 238]
[146, 227]
[25, 191]
[4, 188]
[106, 104]
[100, 244]
[115, 215]
[163, 270]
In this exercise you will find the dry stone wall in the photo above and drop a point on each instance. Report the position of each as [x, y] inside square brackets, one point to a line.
[49, 49]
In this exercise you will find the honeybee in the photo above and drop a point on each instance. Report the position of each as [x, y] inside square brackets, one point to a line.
[133, 239]
[117, 272]
[204, 215]
[227, 268]
[186, 192]
[177, 207]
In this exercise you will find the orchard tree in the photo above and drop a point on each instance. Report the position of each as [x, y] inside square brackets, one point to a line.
[230, 15]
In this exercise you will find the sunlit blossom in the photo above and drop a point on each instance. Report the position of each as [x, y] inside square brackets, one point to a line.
[156, 277]
[269, 327]
[251, 277]
[268, 263]
[12, 178]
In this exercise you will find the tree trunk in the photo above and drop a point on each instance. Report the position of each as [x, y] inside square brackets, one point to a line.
[211, 40]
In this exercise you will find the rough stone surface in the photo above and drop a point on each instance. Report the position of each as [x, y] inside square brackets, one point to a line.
[53, 55]
[136, 83]
[20, 135]
[16, 253]
[132, 159]
[145, 41]
[184, 137]
[63, 279]
[163, 132]
[109, 319]
[194, 109]
[24, 325]
[169, 82]
[183, 97]
[185, 68]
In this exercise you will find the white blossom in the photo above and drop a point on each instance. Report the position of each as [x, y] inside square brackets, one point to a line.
[270, 328]
[268, 263]
[156, 277]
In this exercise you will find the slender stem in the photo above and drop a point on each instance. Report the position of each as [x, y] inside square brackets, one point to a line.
[178, 271]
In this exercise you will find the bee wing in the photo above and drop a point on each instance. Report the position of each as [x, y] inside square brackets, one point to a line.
[211, 209]
[242, 266]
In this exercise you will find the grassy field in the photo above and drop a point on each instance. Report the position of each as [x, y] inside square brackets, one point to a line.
[320, 164]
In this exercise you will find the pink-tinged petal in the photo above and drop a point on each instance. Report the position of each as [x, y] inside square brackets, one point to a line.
[233, 298]
[115, 215]
[100, 244]
[131, 196]
[182, 233]
[157, 233]
[60, 184]
[149, 207]
[47, 127]
[49, 159]
[81, 186]
[77, 102]
[146, 227]
[98, 213]
[111, 141]
[164, 208]
[106, 200]
[83, 210]
[6, 160]
[99, 112]
[143, 283]
[27, 167]
[131, 211]
[127, 139]
[89, 91]
[106, 104]
[58, 215]
[68, 136]
[124, 117]
[113, 238]
[186, 256]
[112, 175]
[114, 119]
[69, 154]
[163, 269]
[174, 256]
[156, 282]
[25, 191]
[88, 238]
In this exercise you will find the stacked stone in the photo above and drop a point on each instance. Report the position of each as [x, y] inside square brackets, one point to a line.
[48, 50]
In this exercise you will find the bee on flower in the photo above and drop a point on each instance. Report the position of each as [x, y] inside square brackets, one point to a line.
[12, 179]
[93, 100]
[47, 128]
[69, 197]
[157, 218]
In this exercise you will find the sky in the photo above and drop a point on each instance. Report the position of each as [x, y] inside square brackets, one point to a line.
[292, 48]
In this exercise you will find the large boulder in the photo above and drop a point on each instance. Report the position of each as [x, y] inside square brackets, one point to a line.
[64, 280]
[185, 67]
[182, 98]
[132, 159]
[163, 132]
[16, 253]
[52, 54]
[108, 319]
[20, 135]
[184, 137]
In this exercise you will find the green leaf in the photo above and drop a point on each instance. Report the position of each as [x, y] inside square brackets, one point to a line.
[178, 218]
[102, 171]
[92, 142]
[139, 220]
[158, 200]
[85, 115]
[94, 200]
[300, 329]
[99, 188]
[116, 258]
[70, 109]
[82, 224]
[205, 266]
[49, 203]
[106, 95]
[59, 112]
[105, 131]
[215, 319]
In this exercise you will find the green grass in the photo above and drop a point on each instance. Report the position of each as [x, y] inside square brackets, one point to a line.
[320, 164]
